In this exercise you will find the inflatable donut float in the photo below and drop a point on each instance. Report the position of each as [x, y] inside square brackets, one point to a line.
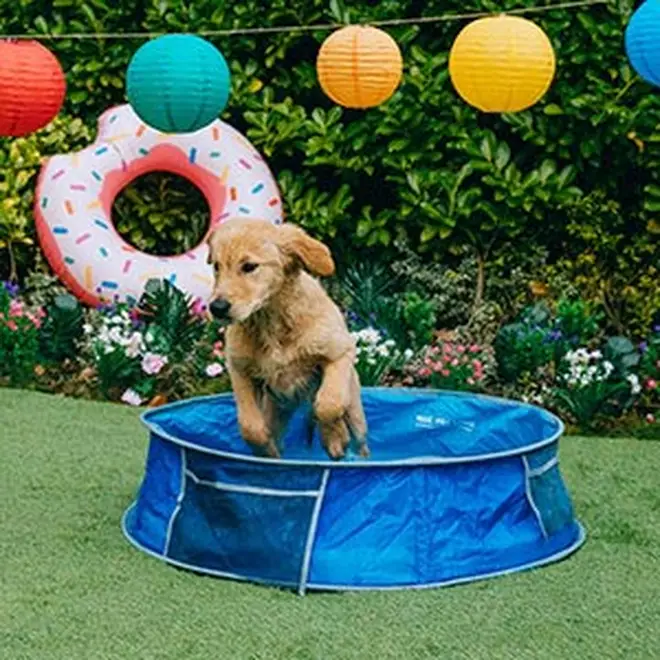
[75, 194]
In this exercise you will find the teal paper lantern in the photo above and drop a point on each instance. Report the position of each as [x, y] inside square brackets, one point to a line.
[178, 83]
[642, 41]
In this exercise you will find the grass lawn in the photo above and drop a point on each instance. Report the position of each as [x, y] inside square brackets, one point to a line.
[72, 588]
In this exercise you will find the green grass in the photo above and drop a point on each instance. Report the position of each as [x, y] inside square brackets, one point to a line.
[72, 588]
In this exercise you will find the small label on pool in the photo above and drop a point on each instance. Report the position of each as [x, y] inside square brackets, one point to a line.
[431, 422]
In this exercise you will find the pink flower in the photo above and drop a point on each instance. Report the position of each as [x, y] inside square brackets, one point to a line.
[12, 326]
[445, 372]
[478, 364]
[651, 384]
[131, 397]
[470, 381]
[36, 322]
[650, 418]
[460, 349]
[438, 366]
[16, 308]
[474, 348]
[214, 369]
[424, 372]
[447, 348]
[454, 362]
[41, 313]
[434, 350]
[153, 363]
[428, 362]
[198, 307]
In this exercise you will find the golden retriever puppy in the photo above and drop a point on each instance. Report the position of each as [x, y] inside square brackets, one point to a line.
[287, 342]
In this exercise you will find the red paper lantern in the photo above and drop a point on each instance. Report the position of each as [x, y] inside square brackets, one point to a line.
[32, 87]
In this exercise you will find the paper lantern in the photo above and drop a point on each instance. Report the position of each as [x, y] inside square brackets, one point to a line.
[501, 64]
[178, 83]
[32, 87]
[359, 67]
[642, 40]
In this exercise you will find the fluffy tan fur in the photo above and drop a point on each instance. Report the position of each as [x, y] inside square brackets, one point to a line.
[284, 331]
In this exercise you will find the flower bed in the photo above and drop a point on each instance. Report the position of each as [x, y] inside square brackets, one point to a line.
[166, 348]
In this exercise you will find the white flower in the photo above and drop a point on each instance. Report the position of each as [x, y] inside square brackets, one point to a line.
[596, 355]
[635, 387]
[214, 369]
[131, 397]
[135, 345]
[408, 353]
[608, 367]
[88, 329]
[115, 335]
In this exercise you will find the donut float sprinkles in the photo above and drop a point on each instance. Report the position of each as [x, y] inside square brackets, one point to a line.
[75, 194]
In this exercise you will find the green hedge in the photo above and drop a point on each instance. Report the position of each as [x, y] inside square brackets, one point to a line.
[576, 178]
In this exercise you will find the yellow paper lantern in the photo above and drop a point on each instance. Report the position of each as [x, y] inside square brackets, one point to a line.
[359, 67]
[502, 64]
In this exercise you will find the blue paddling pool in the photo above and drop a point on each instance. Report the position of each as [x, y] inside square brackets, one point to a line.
[458, 488]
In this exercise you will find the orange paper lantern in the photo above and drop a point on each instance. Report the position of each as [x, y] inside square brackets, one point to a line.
[32, 87]
[359, 67]
[502, 64]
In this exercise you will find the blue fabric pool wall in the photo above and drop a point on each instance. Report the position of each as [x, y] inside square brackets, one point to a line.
[472, 505]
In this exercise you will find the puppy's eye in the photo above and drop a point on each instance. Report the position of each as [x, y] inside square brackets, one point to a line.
[249, 267]
[216, 267]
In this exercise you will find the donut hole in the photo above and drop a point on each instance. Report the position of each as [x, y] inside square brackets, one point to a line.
[161, 213]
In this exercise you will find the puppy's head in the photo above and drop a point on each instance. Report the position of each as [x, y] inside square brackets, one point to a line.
[253, 259]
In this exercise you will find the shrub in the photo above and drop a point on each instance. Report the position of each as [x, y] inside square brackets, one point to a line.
[62, 329]
[19, 336]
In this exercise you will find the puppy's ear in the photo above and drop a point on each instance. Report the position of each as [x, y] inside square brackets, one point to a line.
[302, 249]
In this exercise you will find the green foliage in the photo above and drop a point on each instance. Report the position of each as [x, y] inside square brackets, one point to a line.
[541, 337]
[62, 329]
[168, 313]
[621, 352]
[521, 347]
[406, 317]
[149, 212]
[577, 175]
[589, 405]
[19, 338]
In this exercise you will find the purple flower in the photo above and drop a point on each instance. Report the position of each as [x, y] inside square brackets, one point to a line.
[656, 328]
[643, 346]
[11, 288]
[554, 335]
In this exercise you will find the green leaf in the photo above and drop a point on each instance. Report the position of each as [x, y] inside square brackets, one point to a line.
[428, 234]
[552, 110]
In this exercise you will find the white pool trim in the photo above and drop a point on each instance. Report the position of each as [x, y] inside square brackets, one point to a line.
[360, 463]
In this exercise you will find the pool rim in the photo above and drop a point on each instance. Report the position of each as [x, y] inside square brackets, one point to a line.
[416, 461]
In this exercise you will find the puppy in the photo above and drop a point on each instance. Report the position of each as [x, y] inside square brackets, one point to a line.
[287, 342]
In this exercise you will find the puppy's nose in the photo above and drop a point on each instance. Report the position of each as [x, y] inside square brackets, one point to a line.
[220, 308]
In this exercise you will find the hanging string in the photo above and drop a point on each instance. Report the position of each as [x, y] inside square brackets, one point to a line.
[319, 27]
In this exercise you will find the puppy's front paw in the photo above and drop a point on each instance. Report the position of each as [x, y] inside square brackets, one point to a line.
[335, 439]
[256, 434]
